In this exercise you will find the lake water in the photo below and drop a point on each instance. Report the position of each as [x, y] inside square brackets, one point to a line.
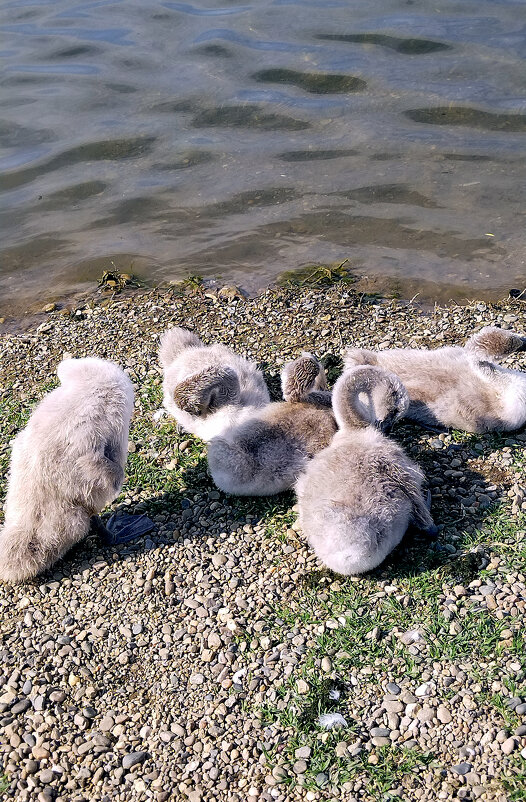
[241, 139]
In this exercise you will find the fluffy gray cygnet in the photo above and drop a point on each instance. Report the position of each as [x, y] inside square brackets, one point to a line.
[264, 453]
[456, 387]
[66, 465]
[358, 496]
[207, 388]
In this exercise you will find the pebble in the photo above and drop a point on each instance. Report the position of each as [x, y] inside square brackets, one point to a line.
[423, 690]
[443, 714]
[509, 745]
[461, 768]
[133, 758]
[299, 767]
[303, 752]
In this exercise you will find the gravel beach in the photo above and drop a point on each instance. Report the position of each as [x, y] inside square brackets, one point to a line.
[194, 663]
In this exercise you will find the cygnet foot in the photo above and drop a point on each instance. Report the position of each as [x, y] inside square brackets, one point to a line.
[434, 429]
[121, 528]
[431, 532]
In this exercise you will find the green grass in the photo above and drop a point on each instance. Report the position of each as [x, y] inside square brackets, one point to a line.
[322, 597]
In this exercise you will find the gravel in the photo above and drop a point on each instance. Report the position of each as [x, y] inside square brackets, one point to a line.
[194, 664]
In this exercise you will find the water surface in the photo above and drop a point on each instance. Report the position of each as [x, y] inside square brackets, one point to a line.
[239, 140]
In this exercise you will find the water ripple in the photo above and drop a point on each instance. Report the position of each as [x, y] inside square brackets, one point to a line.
[60, 69]
[318, 83]
[186, 8]
[248, 116]
[410, 46]
[469, 117]
[114, 36]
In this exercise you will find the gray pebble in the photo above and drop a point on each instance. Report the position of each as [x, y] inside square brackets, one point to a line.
[20, 707]
[133, 758]
[299, 767]
[303, 752]
[462, 768]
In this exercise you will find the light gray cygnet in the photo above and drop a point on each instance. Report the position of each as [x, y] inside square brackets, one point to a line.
[357, 497]
[265, 452]
[66, 465]
[463, 388]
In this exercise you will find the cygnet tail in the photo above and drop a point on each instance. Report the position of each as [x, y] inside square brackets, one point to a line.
[359, 356]
[174, 342]
[301, 377]
[232, 468]
[26, 552]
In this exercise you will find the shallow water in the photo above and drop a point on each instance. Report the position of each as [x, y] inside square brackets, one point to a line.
[240, 139]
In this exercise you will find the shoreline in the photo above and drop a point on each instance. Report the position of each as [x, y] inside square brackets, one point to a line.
[192, 664]
[424, 293]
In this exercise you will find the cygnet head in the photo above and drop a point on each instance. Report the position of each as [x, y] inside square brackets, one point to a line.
[369, 396]
[301, 377]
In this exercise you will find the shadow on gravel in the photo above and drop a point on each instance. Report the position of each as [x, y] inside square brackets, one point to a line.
[464, 492]
[464, 488]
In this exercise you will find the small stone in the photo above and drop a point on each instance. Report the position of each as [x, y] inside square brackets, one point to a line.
[133, 758]
[299, 767]
[321, 779]
[197, 679]
[326, 665]
[509, 745]
[46, 776]
[302, 752]
[380, 741]
[393, 706]
[214, 640]
[513, 701]
[107, 723]
[462, 768]
[380, 731]
[426, 714]
[393, 688]
[302, 686]
[279, 773]
[443, 714]
[423, 690]
[20, 707]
